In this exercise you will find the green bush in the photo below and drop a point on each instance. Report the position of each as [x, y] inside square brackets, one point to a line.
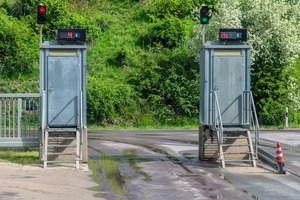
[269, 87]
[273, 113]
[167, 83]
[177, 8]
[18, 47]
[108, 101]
[59, 15]
[293, 116]
[169, 32]
[19, 40]
[170, 22]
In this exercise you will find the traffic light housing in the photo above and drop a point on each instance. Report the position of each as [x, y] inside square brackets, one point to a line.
[204, 15]
[41, 14]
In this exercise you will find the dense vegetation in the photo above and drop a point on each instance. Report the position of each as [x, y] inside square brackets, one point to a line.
[143, 54]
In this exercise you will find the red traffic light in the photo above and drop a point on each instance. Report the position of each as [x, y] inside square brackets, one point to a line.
[41, 9]
[41, 14]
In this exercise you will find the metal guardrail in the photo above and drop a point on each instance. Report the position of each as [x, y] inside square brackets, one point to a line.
[19, 120]
[270, 159]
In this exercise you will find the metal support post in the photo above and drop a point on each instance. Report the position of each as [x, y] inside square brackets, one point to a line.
[19, 117]
[46, 149]
[41, 34]
[1, 119]
[84, 149]
[77, 149]
[286, 117]
[203, 34]
[201, 143]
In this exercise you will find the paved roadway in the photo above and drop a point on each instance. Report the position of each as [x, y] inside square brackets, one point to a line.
[290, 145]
[271, 185]
[169, 160]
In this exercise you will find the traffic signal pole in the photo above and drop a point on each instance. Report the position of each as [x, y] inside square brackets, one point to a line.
[203, 33]
[41, 34]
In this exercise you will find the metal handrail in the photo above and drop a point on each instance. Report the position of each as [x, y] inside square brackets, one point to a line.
[254, 120]
[217, 118]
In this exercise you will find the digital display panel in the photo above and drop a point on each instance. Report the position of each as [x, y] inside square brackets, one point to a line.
[71, 36]
[233, 35]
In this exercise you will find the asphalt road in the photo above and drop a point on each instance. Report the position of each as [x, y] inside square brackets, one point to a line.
[169, 160]
[274, 186]
[290, 145]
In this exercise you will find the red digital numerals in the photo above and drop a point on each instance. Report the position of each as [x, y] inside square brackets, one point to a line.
[224, 35]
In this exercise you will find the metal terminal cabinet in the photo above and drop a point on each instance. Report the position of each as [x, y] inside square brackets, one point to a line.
[63, 96]
[226, 104]
[63, 85]
[225, 70]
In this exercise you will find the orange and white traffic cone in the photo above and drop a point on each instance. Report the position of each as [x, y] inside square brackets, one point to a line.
[279, 159]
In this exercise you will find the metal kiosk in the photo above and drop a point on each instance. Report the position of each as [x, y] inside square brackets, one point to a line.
[226, 103]
[63, 102]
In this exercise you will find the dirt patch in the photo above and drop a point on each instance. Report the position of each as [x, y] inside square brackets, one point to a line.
[20, 182]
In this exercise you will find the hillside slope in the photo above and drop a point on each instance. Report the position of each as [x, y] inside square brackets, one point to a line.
[141, 68]
[143, 54]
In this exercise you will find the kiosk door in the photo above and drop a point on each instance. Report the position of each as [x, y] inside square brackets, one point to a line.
[63, 85]
[228, 76]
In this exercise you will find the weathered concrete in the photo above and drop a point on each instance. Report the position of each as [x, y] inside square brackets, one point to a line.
[19, 182]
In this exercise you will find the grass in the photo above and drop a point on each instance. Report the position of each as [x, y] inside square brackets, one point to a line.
[109, 166]
[282, 126]
[150, 127]
[95, 169]
[112, 174]
[21, 157]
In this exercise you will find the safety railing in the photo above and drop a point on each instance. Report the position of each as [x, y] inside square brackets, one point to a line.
[254, 120]
[216, 117]
[19, 120]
